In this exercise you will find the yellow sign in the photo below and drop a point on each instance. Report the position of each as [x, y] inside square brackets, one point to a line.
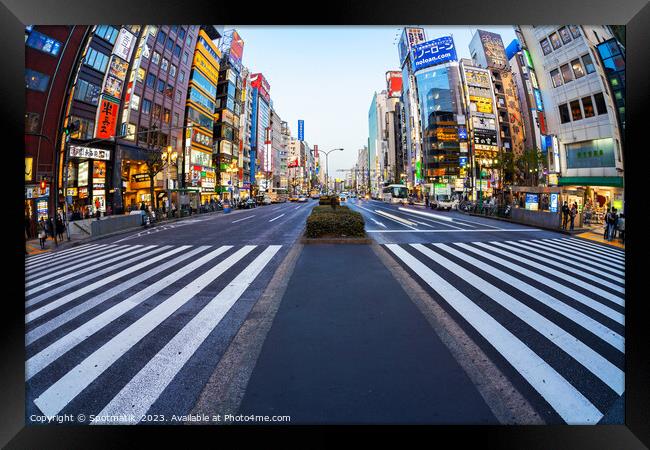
[28, 168]
[71, 192]
[483, 105]
[206, 66]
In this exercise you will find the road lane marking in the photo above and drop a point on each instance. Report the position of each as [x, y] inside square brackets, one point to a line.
[574, 295]
[147, 385]
[585, 355]
[453, 231]
[276, 218]
[63, 391]
[422, 213]
[378, 223]
[566, 400]
[239, 220]
[58, 348]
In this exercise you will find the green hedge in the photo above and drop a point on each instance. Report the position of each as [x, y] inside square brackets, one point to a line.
[339, 222]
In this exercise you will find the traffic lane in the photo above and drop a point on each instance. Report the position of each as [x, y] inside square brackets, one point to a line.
[458, 229]
[252, 226]
[376, 219]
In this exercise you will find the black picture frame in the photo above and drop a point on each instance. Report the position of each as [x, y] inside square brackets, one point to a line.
[15, 14]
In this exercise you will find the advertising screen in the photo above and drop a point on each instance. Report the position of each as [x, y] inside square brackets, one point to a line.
[82, 177]
[482, 104]
[394, 80]
[538, 100]
[431, 53]
[532, 201]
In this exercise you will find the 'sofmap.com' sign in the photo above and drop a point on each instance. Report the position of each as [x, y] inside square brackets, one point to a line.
[431, 53]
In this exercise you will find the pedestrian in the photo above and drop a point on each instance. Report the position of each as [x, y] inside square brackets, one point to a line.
[60, 227]
[142, 207]
[42, 232]
[173, 209]
[605, 234]
[565, 215]
[612, 222]
[573, 213]
[426, 200]
[28, 227]
[621, 227]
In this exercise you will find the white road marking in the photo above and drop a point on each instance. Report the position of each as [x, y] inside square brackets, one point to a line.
[55, 350]
[596, 250]
[36, 258]
[394, 217]
[378, 223]
[144, 388]
[276, 218]
[452, 231]
[426, 214]
[55, 259]
[59, 394]
[239, 220]
[613, 266]
[567, 401]
[590, 359]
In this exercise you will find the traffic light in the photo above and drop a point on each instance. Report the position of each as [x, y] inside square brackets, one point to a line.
[72, 128]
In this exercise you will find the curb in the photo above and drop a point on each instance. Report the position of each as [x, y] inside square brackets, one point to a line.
[570, 233]
[312, 241]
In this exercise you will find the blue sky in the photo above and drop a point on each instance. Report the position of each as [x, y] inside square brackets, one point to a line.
[327, 75]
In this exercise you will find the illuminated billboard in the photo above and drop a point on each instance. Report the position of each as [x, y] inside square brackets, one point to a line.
[394, 82]
[431, 53]
[410, 37]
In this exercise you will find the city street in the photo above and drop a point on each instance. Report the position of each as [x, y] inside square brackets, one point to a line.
[137, 323]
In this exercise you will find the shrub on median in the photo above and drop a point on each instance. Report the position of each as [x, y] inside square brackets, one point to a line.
[325, 221]
[327, 199]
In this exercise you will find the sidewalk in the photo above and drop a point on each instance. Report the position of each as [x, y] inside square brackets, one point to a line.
[596, 235]
[348, 346]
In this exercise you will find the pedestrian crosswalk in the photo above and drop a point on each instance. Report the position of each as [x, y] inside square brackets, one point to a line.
[109, 309]
[551, 311]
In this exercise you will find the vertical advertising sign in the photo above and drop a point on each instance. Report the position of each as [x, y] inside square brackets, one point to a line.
[495, 52]
[410, 37]
[124, 44]
[106, 118]
[316, 151]
[394, 82]
[301, 130]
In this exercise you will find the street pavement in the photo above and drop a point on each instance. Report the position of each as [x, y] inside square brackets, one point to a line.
[137, 323]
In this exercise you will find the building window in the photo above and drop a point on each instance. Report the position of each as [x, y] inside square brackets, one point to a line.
[588, 107]
[186, 57]
[44, 43]
[86, 128]
[565, 35]
[169, 91]
[161, 38]
[176, 119]
[177, 51]
[181, 76]
[87, 92]
[107, 32]
[188, 40]
[157, 109]
[575, 31]
[96, 60]
[167, 115]
[174, 29]
[170, 44]
[178, 96]
[181, 33]
[172, 71]
[36, 81]
[566, 73]
[151, 80]
[564, 113]
[32, 122]
[556, 77]
[555, 41]
[576, 112]
[146, 106]
[578, 71]
[164, 65]
[589, 64]
[161, 86]
[155, 58]
[135, 102]
[601, 108]
[546, 47]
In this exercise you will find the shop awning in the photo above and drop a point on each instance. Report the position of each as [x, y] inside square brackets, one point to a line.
[591, 181]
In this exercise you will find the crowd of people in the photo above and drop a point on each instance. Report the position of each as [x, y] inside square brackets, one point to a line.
[46, 229]
[614, 222]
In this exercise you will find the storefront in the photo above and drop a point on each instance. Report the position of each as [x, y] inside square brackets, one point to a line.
[87, 180]
[136, 185]
[594, 196]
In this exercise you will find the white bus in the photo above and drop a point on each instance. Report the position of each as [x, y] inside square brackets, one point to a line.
[395, 193]
[278, 195]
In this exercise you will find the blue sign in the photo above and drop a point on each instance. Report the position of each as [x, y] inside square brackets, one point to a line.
[538, 100]
[462, 133]
[462, 161]
[431, 53]
[553, 206]
[301, 130]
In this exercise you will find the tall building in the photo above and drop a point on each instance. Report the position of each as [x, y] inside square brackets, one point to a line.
[273, 160]
[396, 149]
[260, 122]
[51, 53]
[581, 112]
[246, 118]
[227, 120]
[363, 177]
[198, 163]
[284, 154]
[487, 51]
[377, 146]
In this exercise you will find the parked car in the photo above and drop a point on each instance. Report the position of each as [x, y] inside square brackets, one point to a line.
[302, 198]
[343, 198]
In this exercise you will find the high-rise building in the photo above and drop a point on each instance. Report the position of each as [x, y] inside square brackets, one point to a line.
[198, 164]
[260, 122]
[273, 160]
[246, 118]
[581, 113]
[51, 53]
[396, 149]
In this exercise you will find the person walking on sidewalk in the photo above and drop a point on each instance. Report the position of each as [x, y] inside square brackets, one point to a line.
[565, 215]
[611, 224]
[42, 232]
[621, 227]
[573, 213]
[607, 214]
[60, 227]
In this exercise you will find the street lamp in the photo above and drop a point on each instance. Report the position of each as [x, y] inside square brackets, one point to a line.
[168, 157]
[327, 180]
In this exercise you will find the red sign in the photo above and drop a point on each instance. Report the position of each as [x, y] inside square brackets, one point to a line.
[394, 80]
[258, 81]
[106, 119]
[315, 151]
[237, 46]
[293, 163]
[542, 122]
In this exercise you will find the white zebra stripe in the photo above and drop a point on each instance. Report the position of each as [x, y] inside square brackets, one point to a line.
[56, 259]
[592, 360]
[144, 389]
[36, 258]
[590, 303]
[601, 331]
[58, 348]
[575, 244]
[59, 394]
[602, 247]
[598, 260]
[567, 401]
